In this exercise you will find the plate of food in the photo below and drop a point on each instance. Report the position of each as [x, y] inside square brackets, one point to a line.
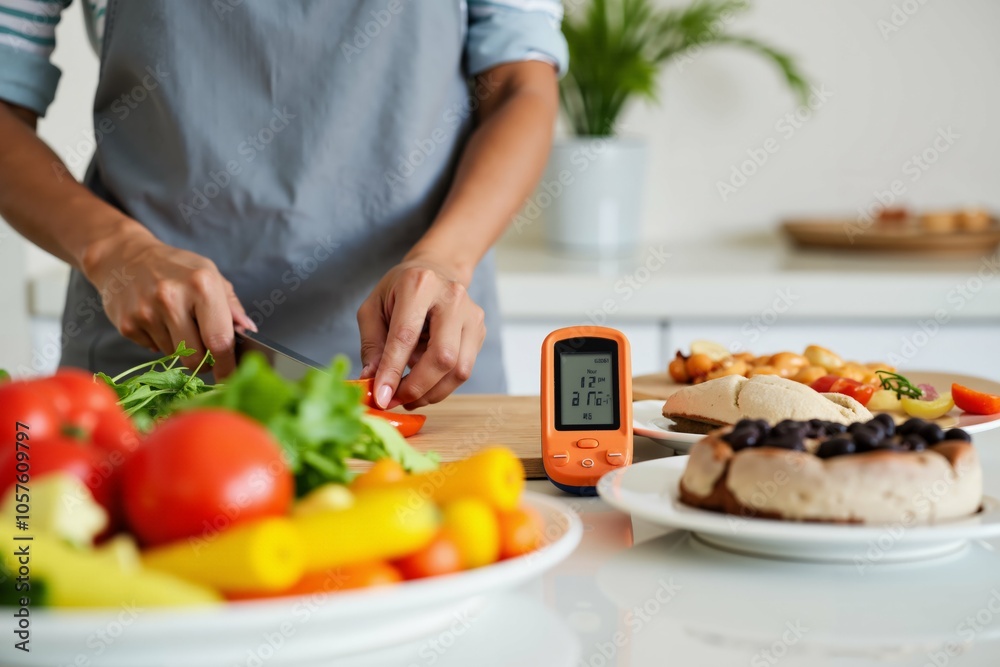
[870, 493]
[219, 529]
[711, 387]
[288, 630]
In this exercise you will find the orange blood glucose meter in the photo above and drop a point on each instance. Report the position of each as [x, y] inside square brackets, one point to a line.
[586, 396]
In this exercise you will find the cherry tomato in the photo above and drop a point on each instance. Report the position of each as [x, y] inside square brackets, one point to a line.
[30, 404]
[203, 471]
[859, 391]
[344, 578]
[975, 402]
[59, 454]
[79, 398]
[406, 424]
[440, 556]
[382, 472]
[520, 532]
[367, 397]
[823, 384]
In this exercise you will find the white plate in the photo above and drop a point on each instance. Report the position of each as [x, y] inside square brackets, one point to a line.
[294, 630]
[648, 419]
[649, 491]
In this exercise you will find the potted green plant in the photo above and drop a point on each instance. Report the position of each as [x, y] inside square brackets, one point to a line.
[617, 49]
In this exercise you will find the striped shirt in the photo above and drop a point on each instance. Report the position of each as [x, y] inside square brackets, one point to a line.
[499, 31]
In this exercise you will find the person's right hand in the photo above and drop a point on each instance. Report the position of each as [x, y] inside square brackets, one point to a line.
[157, 295]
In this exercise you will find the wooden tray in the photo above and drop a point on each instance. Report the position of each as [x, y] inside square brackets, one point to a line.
[462, 425]
[848, 234]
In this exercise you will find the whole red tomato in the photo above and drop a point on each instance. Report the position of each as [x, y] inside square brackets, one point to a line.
[115, 434]
[79, 398]
[201, 472]
[27, 403]
[59, 454]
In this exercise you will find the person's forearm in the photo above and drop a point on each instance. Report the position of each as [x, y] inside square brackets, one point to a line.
[500, 166]
[42, 201]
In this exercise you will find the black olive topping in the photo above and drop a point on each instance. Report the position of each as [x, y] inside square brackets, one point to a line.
[835, 447]
[877, 434]
[957, 434]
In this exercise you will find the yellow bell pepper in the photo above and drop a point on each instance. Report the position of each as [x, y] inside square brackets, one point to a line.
[472, 525]
[380, 525]
[265, 555]
[494, 475]
[77, 578]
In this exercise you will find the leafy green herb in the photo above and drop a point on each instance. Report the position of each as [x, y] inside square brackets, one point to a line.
[154, 394]
[319, 421]
[4, 375]
[618, 47]
[899, 384]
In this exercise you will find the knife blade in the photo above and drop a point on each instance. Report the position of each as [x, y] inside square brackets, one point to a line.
[287, 363]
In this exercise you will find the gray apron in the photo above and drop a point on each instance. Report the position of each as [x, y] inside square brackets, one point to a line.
[304, 146]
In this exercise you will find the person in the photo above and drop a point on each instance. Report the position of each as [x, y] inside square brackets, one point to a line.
[310, 169]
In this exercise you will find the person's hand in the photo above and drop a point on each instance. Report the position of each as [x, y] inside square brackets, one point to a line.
[157, 295]
[419, 315]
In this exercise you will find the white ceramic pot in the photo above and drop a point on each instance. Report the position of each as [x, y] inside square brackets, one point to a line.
[594, 188]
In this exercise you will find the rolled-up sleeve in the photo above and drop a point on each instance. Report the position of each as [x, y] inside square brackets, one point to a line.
[504, 31]
[27, 38]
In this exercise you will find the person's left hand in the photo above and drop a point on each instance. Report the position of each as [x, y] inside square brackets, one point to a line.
[419, 315]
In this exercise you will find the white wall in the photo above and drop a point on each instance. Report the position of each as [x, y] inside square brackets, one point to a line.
[889, 97]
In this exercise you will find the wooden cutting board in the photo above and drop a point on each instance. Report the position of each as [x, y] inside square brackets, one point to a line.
[462, 425]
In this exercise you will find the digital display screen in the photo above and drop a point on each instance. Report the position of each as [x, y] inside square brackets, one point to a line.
[587, 389]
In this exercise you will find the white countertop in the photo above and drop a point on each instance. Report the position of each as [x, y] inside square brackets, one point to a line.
[740, 277]
[637, 595]
[734, 278]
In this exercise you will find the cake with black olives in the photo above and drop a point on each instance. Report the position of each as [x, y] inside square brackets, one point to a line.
[872, 472]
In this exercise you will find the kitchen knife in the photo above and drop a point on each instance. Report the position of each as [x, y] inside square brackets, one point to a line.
[288, 364]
